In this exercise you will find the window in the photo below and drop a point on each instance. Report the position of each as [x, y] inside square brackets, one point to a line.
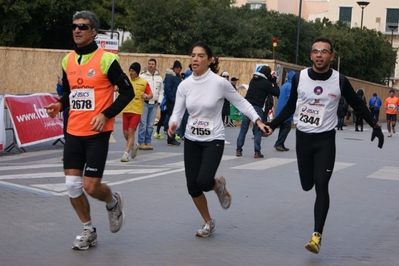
[256, 5]
[392, 19]
[345, 15]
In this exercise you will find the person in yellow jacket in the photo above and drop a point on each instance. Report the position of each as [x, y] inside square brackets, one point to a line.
[132, 112]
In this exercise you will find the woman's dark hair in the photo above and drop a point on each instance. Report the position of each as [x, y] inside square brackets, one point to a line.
[266, 70]
[214, 66]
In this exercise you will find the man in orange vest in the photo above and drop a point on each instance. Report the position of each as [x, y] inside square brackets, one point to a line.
[89, 77]
[391, 105]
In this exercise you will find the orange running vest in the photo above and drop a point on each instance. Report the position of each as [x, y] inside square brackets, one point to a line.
[91, 93]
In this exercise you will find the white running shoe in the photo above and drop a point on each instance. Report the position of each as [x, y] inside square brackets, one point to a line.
[134, 150]
[85, 240]
[207, 229]
[116, 215]
[223, 194]
[125, 157]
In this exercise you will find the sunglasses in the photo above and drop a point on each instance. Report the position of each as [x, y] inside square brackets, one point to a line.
[80, 26]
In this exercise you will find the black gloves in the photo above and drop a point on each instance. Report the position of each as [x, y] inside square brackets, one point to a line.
[378, 133]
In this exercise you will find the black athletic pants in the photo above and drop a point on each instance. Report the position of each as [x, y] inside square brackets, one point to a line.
[316, 158]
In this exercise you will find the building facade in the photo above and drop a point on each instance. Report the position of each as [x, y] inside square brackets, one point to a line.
[381, 15]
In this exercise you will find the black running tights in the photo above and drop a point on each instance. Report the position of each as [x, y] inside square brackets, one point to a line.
[316, 158]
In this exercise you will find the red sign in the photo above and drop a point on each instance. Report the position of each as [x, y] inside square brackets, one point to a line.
[108, 45]
[2, 125]
[30, 120]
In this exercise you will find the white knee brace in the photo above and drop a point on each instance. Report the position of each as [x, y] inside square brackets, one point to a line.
[74, 185]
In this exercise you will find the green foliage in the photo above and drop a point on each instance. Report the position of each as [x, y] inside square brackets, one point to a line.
[365, 54]
[37, 23]
[172, 26]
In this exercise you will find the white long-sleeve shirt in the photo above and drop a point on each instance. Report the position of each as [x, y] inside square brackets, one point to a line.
[203, 97]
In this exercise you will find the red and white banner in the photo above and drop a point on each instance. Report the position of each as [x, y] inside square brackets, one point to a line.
[2, 125]
[30, 120]
[109, 45]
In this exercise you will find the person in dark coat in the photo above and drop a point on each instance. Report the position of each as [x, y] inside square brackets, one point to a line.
[342, 111]
[259, 88]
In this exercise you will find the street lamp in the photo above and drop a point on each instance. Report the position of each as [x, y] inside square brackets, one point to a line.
[297, 34]
[112, 18]
[362, 4]
[392, 28]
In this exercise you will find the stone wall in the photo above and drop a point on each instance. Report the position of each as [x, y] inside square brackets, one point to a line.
[27, 71]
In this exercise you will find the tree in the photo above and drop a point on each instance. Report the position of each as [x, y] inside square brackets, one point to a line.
[46, 23]
[172, 26]
[358, 52]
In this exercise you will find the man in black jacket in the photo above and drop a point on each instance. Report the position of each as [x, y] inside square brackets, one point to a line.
[259, 88]
[171, 82]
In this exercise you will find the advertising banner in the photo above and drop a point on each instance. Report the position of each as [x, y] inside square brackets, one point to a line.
[2, 125]
[109, 45]
[30, 120]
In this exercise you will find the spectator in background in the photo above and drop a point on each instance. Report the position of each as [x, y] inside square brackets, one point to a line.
[65, 112]
[285, 127]
[226, 103]
[171, 82]
[182, 128]
[131, 114]
[391, 105]
[146, 126]
[188, 72]
[161, 121]
[234, 82]
[259, 88]
[341, 112]
[229, 122]
[374, 106]
[269, 102]
[359, 118]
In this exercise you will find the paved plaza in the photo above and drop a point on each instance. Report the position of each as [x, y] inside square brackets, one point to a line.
[269, 222]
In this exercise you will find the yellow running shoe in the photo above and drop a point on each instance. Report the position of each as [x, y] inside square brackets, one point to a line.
[314, 243]
[158, 135]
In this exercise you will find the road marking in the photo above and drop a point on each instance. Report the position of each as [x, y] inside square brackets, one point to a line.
[18, 157]
[59, 189]
[386, 173]
[143, 156]
[339, 166]
[181, 163]
[264, 164]
[61, 174]
[31, 166]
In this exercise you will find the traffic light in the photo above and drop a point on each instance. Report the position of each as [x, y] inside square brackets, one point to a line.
[274, 41]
